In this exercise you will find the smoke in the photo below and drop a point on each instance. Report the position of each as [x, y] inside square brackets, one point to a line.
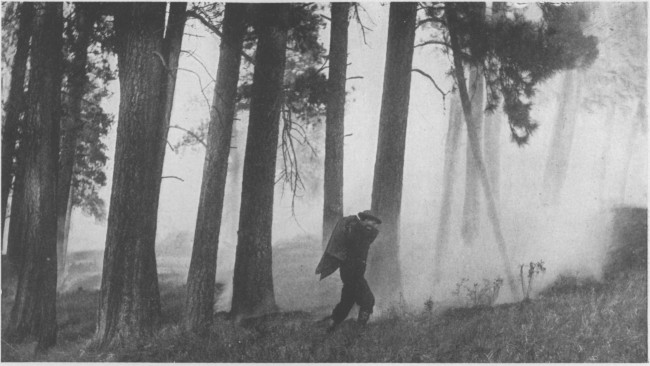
[570, 238]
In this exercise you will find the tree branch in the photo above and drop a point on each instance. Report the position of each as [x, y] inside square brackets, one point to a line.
[192, 55]
[358, 18]
[215, 30]
[207, 102]
[172, 176]
[432, 81]
[196, 137]
[440, 43]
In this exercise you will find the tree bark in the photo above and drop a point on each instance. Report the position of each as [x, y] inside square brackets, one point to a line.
[472, 206]
[203, 266]
[129, 300]
[15, 102]
[451, 152]
[170, 55]
[15, 243]
[473, 141]
[561, 141]
[253, 278]
[384, 268]
[71, 124]
[334, 123]
[34, 310]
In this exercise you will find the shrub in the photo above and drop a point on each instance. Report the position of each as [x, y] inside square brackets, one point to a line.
[479, 295]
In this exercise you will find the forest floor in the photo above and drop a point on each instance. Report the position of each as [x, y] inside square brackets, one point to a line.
[569, 322]
[574, 320]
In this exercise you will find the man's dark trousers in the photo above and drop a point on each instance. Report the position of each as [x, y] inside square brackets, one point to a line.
[355, 290]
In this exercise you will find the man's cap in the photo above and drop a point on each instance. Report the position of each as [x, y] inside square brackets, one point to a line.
[367, 215]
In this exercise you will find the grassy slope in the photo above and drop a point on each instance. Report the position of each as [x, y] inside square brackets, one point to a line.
[569, 323]
[572, 321]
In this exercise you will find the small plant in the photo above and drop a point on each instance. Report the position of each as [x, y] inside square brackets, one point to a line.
[428, 305]
[477, 295]
[534, 269]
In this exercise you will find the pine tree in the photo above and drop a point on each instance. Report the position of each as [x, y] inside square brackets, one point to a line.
[472, 206]
[384, 273]
[13, 107]
[334, 127]
[201, 278]
[70, 126]
[34, 310]
[449, 173]
[129, 300]
[253, 278]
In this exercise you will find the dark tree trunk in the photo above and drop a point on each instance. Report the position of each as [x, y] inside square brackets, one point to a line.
[71, 124]
[129, 300]
[34, 310]
[451, 152]
[474, 142]
[253, 278]
[203, 266]
[472, 206]
[15, 102]
[384, 271]
[492, 151]
[171, 54]
[561, 141]
[334, 126]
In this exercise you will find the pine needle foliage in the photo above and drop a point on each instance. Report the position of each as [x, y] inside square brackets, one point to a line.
[517, 54]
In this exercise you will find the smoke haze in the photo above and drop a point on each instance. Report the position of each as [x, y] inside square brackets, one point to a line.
[569, 238]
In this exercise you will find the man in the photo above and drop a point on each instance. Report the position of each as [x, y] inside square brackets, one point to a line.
[347, 249]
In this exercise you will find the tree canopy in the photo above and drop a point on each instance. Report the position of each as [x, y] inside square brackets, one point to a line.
[516, 53]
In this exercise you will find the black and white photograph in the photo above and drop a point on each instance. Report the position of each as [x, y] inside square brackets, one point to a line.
[330, 182]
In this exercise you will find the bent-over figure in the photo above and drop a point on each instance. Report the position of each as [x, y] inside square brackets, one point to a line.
[347, 249]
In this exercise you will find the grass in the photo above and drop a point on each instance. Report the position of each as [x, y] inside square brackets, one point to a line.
[571, 321]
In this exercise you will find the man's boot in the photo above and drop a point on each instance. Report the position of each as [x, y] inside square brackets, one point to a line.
[363, 317]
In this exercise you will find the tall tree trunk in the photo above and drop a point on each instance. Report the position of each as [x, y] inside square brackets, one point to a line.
[71, 124]
[34, 310]
[15, 102]
[562, 139]
[472, 206]
[492, 151]
[334, 125]
[203, 266]
[473, 141]
[451, 152]
[492, 125]
[253, 278]
[639, 124]
[171, 51]
[604, 154]
[384, 268]
[129, 300]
